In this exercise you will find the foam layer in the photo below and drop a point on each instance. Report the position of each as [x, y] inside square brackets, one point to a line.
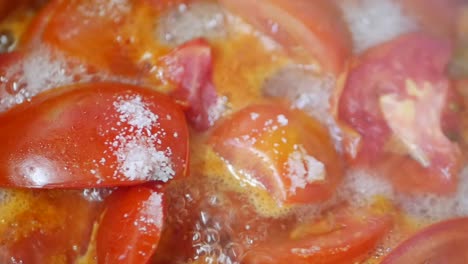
[372, 22]
[187, 22]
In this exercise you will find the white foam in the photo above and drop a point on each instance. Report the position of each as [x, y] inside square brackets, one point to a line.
[372, 22]
[303, 88]
[361, 187]
[113, 9]
[37, 72]
[436, 208]
[187, 22]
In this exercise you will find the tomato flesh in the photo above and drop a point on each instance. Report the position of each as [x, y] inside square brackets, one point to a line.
[347, 236]
[394, 94]
[189, 67]
[285, 151]
[100, 33]
[444, 242]
[94, 135]
[131, 225]
[315, 26]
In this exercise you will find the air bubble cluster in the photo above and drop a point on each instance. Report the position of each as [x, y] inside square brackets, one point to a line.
[215, 225]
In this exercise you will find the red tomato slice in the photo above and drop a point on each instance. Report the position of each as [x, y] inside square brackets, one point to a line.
[93, 135]
[190, 68]
[344, 237]
[105, 34]
[444, 242]
[315, 26]
[282, 150]
[46, 226]
[397, 99]
[131, 226]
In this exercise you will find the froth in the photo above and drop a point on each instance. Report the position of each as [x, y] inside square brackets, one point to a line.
[435, 208]
[361, 187]
[187, 22]
[372, 22]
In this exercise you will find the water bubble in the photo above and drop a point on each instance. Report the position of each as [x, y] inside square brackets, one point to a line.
[7, 41]
[211, 236]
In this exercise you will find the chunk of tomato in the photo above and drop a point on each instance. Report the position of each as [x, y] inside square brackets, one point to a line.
[444, 242]
[342, 237]
[131, 226]
[189, 67]
[398, 103]
[104, 34]
[93, 135]
[284, 151]
[313, 26]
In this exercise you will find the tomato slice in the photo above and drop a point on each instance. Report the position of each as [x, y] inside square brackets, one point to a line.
[189, 67]
[93, 135]
[281, 150]
[105, 34]
[44, 226]
[131, 225]
[443, 242]
[398, 100]
[314, 26]
[343, 237]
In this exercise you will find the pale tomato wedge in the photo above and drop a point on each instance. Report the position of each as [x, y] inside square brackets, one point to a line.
[190, 68]
[131, 226]
[347, 235]
[398, 102]
[281, 150]
[444, 242]
[314, 26]
[93, 135]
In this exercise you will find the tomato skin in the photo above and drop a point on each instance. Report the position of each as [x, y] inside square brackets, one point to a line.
[348, 237]
[131, 226]
[386, 82]
[443, 242]
[283, 150]
[189, 67]
[77, 137]
[316, 26]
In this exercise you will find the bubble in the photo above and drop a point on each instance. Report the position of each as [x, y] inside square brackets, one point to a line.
[7, 40]
[211, 236]
[96, 194]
